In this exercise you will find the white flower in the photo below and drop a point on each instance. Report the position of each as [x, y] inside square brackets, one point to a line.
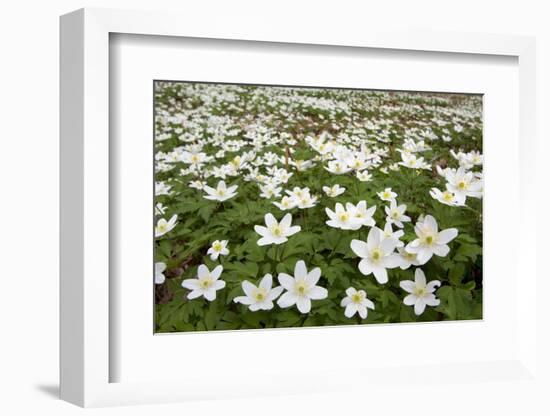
[301, 165]
[334, 190]
[361, 213]
[159, 209]
[464, 184]
[430, 241]
[206, 284]
[342, 218]
[386, 194]
[162, 189]
[364, 176]
[388, 233]
[396, 214]
[338, 168]
[276, 232]
[411, 161]
[407, 259]
[221, 193]
[301, 288]
[270, 191]
[218, 248]
[447, 197]
[356, 302]
[302, 197]
[197, 184]
[286, 203]
[259, 297]
[420, 293]
[160, 267]
[164, 226]
[376, 255]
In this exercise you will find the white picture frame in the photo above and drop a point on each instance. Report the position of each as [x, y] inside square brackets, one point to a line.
[85, 216]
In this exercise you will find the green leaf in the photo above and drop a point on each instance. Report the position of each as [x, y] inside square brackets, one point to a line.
[247, 269]
[456, 273]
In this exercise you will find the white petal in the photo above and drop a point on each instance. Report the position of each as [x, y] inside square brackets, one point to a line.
[216, 272]
[345, 301]
[381, 274]
[359, 247]
[202, 271]
[350, 291]
[287, 299]
[275, 293]
[424, 255]
[419, 306]
[419, 278]
[264, 241]
[407, 285]
[392, 261]
[313, 276]
[350, 310]
[447, 235]
[248, 288]
[194, 294]
[441, 250]
[261, 230]
[431, 300]
[286, 281]
[432, 285]
[218, 284]
[365, 267]
[369, 303]
[410, 300]
[304, 304]
[190, 284]
[266, 282]
[373, 239]
[245, 300]
[292, 230]
[430, 222]
[270, 220]
[300, 270]
[286, 221]
[317, 293]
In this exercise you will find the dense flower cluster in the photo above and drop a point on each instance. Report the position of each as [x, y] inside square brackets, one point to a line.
[287, 206]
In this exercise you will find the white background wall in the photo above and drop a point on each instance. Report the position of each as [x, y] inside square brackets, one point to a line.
[29, 56]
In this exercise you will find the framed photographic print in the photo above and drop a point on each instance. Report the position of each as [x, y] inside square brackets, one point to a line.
[313, 205]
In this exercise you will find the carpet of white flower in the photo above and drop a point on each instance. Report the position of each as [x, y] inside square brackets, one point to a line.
[289, 207]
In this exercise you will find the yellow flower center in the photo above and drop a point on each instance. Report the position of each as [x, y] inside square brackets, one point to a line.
[356, 298]
[448, 196]
[162, 227]
[260, 295]
[205, 283]
[276, 230]
[386, 195]
[194, 158]
[462, 185]
[218, 246]
[376, 254]
[301, 288]
[344, 217]
[395, 214]
[429, 240]
[420, 291]
[221, 192]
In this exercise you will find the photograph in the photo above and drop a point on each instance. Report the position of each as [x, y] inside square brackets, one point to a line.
[304, 206]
